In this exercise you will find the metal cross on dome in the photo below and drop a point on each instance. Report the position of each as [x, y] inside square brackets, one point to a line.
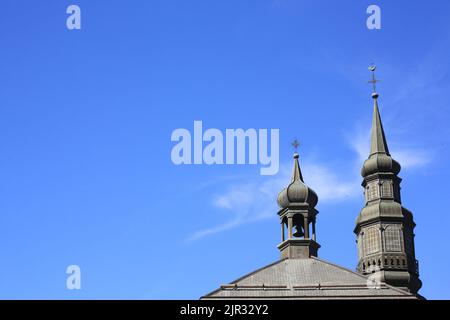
[374, 80]
[295, 144]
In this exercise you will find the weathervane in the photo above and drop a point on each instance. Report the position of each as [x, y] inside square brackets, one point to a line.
[374, 81]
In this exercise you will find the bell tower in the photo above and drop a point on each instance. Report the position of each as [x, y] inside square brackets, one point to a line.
[297, 217]
[384, 228]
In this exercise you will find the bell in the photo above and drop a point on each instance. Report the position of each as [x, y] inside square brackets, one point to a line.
[298, 233]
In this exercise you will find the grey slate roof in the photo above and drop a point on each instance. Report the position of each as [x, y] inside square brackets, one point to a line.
[310, 278]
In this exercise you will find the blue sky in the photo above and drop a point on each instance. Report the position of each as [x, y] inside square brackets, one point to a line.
[86, 118]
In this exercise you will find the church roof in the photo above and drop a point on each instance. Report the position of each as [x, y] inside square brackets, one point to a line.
[309, 278]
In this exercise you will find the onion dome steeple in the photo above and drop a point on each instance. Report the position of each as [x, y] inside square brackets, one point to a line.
[297, 191]
[297, 215]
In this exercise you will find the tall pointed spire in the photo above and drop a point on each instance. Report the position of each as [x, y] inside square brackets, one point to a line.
[378, 139]
[379, 159]
[384, 228]
[296, 172]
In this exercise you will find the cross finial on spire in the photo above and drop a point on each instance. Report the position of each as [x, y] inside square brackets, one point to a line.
[295, 144]
[374, 81]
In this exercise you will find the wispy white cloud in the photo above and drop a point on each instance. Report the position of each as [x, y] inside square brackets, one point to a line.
[331, 186]
[248, 202]
[359, 141]
[408, 157]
